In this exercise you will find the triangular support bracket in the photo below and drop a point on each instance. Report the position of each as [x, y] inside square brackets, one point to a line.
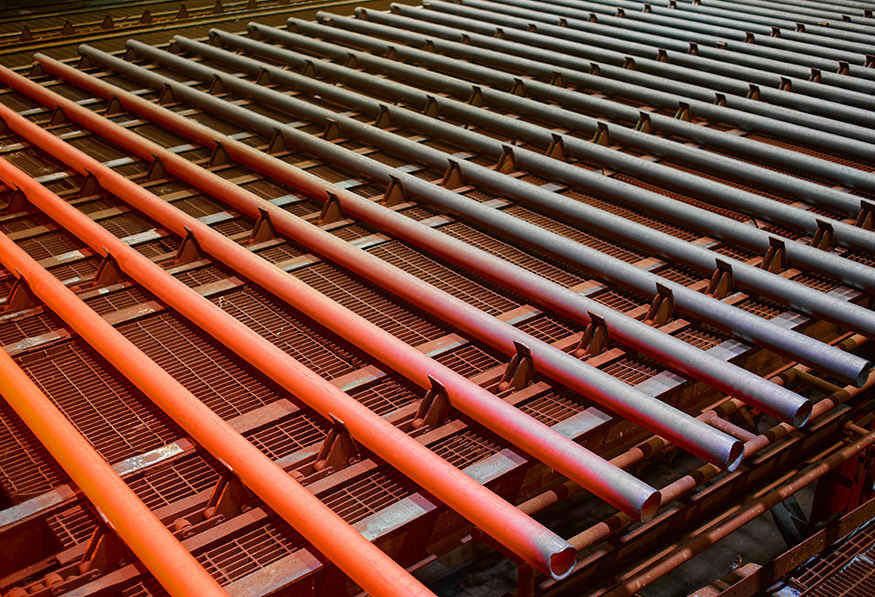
[395, 193]
[506, 162]
[384, 118]
[434, 408]
[645, 123]
[332, 130]
[866, 217]
[775, 259]
[114, 107]
[476, 98]
[89, 187]
[332, 211]
[58, 117]
[556, 149]
[108, 272]
[219, 156]
[520, 371]
[662, 309]
[105, 552]
[277, 142]
[339, 449]
[595, 338]
[189, 249]
[722, 282]
[824, 236]
[264, 230]
[18, 203]
[602, 135]
[228, 499]
[156, 171]
[20, 296]
[453, 178]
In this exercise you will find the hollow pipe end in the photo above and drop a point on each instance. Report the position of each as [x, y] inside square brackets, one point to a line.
[802, 414]
[650, 506]
[562, 562]
[863, 376]
[735, 455]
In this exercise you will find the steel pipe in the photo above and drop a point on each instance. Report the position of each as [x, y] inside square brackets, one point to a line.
[743, 324]
[161, 553]
[585, 103]
[626, 82]
[809, 300]
[809, 192]
[496, 517]
[851, 273]
[342, 544]
[681, 356]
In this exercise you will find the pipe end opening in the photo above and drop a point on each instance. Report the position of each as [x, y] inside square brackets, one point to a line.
[650, 506]
[736, 454]
[802, 414]
[562, 562]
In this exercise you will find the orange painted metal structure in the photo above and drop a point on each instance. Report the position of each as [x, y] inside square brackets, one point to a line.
[165, 557]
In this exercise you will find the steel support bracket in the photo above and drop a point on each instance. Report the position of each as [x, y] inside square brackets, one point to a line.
[20, 296]
[339, 449]
[644, 124]
[519, 88]
[844, 68]
[113, 107]
[277, 142]
[595, 339]
[216, 86]
[395, 193]
[84, 62]
[332, 211]
[219, 156]
[263, 230]
[815, 76]
[602, 136]
[753, 92]
[58, 118]
[309, 69]
[105, 552]
[556, 149]
[384, 118]
[156, 171]
[661, 55]
[558, 80]
[108, 272]
[722, 281]
[332, 130]
[189, 250]
[431, 109]
[264, 78]
[476, 98]
[506, 163]
[452, 178]
[662, 309]
[391, 53]
[228, 499]
[775, 259]
[351, 61]
[89, 187]
[684, 112]
[824, 236]
[167, 96]
[866, 217]
[520, 371]
[434, 408]
[18, 203]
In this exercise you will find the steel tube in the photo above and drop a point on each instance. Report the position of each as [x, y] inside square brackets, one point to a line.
[774, 211]
[597, 44]
[583, 102]
[627, 82]
[342, 544]
[811, 301]
[496, 517]
[805, 191]
[636, 334]
[631, 403]
[745, 325]
[161, 553]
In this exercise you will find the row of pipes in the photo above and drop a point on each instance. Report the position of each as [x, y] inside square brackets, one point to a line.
[364, 563]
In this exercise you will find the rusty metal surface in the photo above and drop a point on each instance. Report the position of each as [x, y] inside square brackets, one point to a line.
[512, 161]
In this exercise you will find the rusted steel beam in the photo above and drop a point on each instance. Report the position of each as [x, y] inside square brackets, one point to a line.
[328, 532]
[159, 551]
[741, 323]
[522, 535]
[566, 369]
[663, 347]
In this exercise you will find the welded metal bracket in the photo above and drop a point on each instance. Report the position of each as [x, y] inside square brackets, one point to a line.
[89, 187]
[216, 87]
[519, 87]
[228, 499]
[20, 296]
[167, 96]
[309, 69]
[476, 98]
[264, 230]
[156, 171]
[189, 250]
[391, 53]
[520, 371]
[332, 211]
[384, 118]
[431, 109]
[339, 449]
[595, 339]
[602, 136]
[113, 107]
[219, 156]
[58, 117]
[824, 236]
[556, 149]
[815, 76]
[722, 281]
[104, 553]
[264, 78]
[395, 193]
[434, 408]
[108, 272]
[866, 217]
[277, 142]
[18, 203]
[332, 130]
[84, 62]
[644, 124]
[753, 92]
[452, 178]
[775, 259]
[506, 161]
[558, 80]
[662, 309]
[684, 112]
[351, 61]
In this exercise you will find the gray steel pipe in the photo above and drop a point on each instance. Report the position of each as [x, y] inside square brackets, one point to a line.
[815, 194]
[743, 324]
[654, 415]
[843, 105]
[656, 90]
[769, 210]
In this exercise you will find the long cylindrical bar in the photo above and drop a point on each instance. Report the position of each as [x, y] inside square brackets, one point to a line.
[328, 532]
[161, 553]
[809, 300]
[827, 264]
[558, 96]
[741, 323]
[638, 335]
[495, 516]
[739, 111]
